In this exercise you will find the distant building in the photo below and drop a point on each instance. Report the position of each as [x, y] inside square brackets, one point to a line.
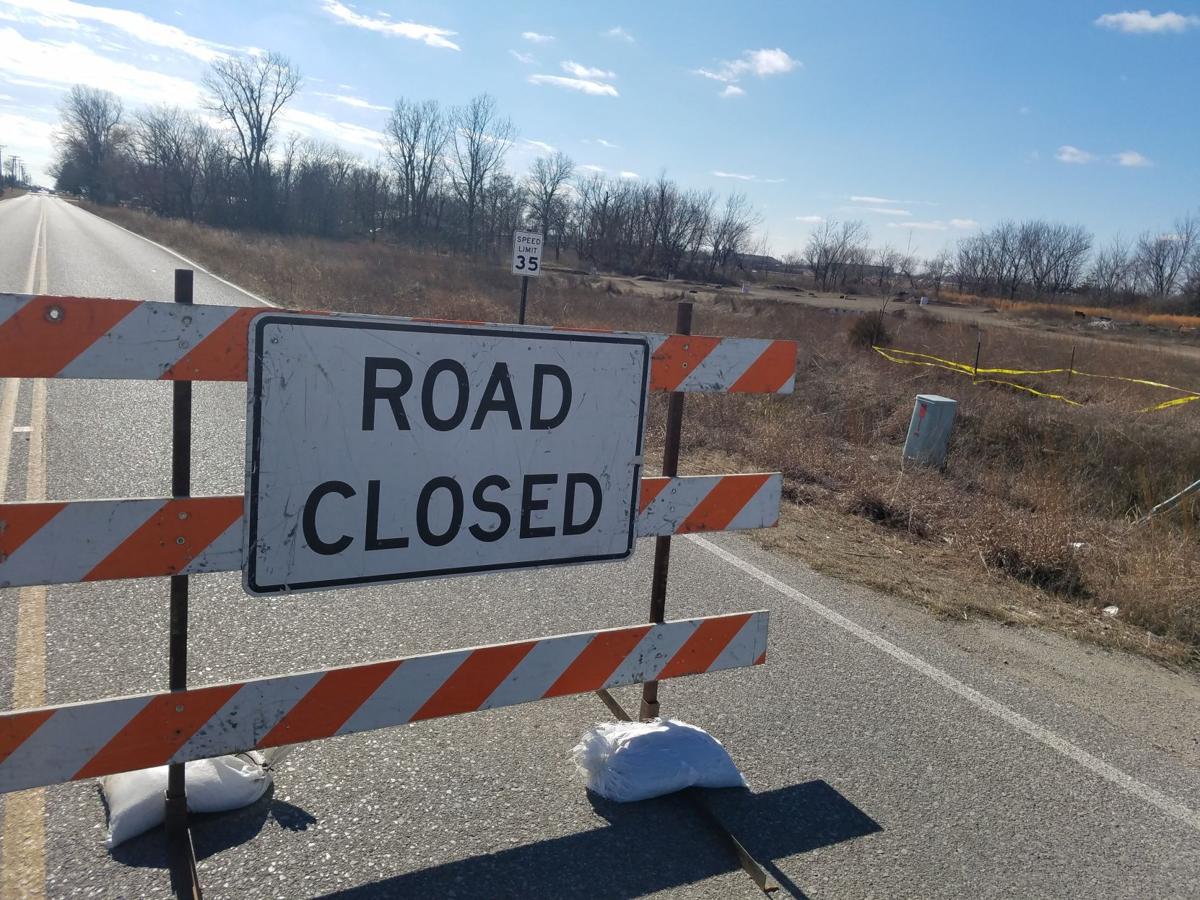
[759, 262]
[860, 271]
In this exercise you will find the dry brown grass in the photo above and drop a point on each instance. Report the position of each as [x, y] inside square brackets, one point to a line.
[1066, 311]
[1029, 523]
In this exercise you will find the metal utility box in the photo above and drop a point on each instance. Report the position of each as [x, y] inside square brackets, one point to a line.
[929, 430]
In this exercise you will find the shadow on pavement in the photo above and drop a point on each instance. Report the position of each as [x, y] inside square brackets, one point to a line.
[214, 832]
[650, 846]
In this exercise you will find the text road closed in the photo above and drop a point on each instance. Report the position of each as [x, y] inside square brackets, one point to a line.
[380, 451]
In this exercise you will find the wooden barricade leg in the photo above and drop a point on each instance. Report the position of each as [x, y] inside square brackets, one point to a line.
[662, 545]
[181, 855]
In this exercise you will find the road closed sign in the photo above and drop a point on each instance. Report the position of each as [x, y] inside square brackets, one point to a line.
[527, 253]
[381, 450]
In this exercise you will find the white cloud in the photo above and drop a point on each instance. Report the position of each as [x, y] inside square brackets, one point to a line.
[812, 220]
[1143, 21]
[603, 143]
[59, 64]
[881, 210]
[1068, 154]
[920, 226]
[620, 34]
[1133, 159]
[732, 90]
[761, 63]
[31, 139]
[625, 173]
[525, 58]
[427, 34]
[592, 168]
[348, 100]
[540, 145]
[587, 86]
[68, 14]
[316, 125]
[535, 38]
[936, 225]
[573, 68]
[740, 177]
[770, 62]
[860, 198]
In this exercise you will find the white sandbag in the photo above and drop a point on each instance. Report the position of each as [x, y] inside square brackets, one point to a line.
[136, 799]
[626, 761]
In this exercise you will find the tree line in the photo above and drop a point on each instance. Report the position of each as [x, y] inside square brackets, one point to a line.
[1034, 259]
[442, 182]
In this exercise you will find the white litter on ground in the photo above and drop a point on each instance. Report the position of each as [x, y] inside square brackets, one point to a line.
[136, 800]
[627, 761]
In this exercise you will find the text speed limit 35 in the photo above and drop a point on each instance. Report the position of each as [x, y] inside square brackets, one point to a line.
[380, 451]
[527, 253]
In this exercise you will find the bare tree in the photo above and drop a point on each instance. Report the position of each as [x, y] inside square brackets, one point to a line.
[1111, 274]
[1052, 255]
[937, 269]
[168, 144]
[833, 248]
[732, 231]
[546, 182]
[370, 185]
[1191, 288]
[1160, 259]
[417, 135]
[481, 140]
[88, 138]
[887, 261]
[249, 92]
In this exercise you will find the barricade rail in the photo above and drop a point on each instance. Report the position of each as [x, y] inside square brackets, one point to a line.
[43, 336]
[100, 540]
[87, 740]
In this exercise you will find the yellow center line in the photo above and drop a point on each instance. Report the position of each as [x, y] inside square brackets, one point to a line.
[23, 833]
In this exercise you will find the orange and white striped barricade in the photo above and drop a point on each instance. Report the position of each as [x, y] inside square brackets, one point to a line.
[91, 540]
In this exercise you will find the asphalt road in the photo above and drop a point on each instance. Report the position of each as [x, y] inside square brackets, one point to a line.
[890, 754]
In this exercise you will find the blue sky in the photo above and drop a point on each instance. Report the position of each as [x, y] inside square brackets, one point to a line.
[924, 119]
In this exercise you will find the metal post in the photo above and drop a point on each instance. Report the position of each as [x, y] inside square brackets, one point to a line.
[524, 294]
[1071, 367]
[978, 346]
[662, 545]
[181, 855]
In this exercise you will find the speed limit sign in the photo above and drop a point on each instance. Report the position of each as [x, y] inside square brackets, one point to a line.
[527, 253]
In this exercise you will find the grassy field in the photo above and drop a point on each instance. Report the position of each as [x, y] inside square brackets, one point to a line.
[1067, 311]
[1032, 520]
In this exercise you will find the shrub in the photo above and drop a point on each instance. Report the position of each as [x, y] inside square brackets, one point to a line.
[867, 331]
[881, 512]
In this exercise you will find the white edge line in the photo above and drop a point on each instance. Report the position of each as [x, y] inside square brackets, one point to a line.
[1039, 733]
[182, 258]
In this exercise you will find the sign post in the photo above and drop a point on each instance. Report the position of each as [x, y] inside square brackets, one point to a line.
[381, 451]
[526, 262]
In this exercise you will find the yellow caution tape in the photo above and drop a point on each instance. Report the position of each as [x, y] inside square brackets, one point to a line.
[971, 370]
[1022, 387]
[1157, 384]
[1166, 404]
[937, 362]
